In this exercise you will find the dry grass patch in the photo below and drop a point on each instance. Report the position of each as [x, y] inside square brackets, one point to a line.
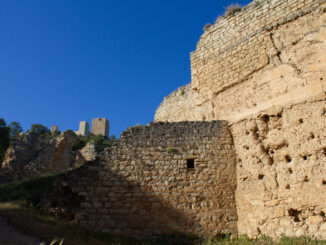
[47, 229]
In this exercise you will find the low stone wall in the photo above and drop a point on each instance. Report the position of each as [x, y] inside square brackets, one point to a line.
[281, 171]
[159, 179]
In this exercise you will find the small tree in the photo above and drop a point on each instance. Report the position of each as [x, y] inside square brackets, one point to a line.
[112, 138]
[39, 129]
[15, 129]
[4, 138]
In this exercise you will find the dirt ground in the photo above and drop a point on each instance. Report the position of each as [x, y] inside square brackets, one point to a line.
[10, 236]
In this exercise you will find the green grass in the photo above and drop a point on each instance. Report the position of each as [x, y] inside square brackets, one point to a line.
[171, 149]
[46, 228]
[29, 191]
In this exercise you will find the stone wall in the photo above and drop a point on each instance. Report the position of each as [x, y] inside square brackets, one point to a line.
[159, 179]
[100, 126]
[263, 70]
[281, 171]
[266, 55]
[180, 103]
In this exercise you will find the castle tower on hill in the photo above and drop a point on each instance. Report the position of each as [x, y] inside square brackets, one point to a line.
[100, 126]
[83, 129]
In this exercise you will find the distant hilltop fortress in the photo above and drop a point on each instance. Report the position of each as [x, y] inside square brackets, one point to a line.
[100, 126]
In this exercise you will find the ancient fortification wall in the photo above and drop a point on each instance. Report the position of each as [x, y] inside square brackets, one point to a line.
[281, 171]
[158, 179]
[271, 53]
[263, 70]
[180, 103]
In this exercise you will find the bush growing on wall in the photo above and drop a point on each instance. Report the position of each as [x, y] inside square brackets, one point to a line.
[232, 9]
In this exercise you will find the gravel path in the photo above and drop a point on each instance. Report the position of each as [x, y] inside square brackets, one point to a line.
[10, 236]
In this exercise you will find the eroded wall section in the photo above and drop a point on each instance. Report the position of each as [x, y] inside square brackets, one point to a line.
[180, 102]
[269, 54]
[159, 179]
[281, 171]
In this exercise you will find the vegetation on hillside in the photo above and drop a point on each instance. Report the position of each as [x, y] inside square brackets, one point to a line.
[10, 131]
[29, 191]
[4, 138]
[101, 142]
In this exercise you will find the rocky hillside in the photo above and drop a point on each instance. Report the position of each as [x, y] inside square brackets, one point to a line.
[31, 155]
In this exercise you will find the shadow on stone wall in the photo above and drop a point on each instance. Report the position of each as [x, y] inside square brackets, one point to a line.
[128, 208]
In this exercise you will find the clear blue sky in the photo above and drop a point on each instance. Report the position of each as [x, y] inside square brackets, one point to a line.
[64, 61]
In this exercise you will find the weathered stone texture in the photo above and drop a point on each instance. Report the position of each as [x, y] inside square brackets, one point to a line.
[83, 129]
[100, 126]
[263, 70]
[273, 54]
[143, 186]
[31, 155]
[180, 102]
[281, 171]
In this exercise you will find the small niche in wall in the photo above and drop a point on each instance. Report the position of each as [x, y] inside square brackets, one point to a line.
[190, 163]
[288, 158]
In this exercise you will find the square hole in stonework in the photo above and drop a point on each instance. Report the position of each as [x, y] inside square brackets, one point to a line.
[190, 163]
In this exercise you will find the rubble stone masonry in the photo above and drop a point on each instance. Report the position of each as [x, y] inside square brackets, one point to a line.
[159, 179]
[271, 53]
[180, 102]
[264, 71]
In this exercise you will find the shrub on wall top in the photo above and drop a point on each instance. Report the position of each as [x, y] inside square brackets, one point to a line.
[232, 9]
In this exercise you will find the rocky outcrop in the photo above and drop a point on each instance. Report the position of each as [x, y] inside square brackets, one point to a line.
[86, 154]
[34, 155]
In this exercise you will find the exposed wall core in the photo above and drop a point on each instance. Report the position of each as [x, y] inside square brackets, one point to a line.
[270, 54]
[264, 71]
[281, 166]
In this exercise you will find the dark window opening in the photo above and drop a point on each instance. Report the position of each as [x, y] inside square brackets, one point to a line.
[190, 163]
